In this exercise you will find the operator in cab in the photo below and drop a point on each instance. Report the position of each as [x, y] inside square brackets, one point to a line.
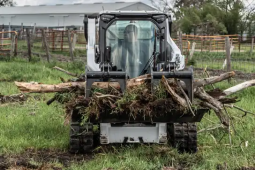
[133, 52]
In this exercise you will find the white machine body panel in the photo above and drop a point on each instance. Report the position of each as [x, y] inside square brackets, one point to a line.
[133, 133]
[91, 64]
[177, 56]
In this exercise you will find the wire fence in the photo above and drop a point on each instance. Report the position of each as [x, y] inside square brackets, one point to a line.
[66, 45]
[57, 39]
[200, 51]
[210, 52]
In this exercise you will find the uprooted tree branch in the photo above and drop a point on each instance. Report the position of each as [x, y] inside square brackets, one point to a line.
[138, 98]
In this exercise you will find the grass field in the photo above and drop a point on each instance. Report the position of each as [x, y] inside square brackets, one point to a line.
[34, 125]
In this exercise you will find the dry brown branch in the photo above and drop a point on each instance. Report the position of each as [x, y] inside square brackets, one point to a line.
[132, 83]
[213, 104]
[212, 80]
[211, 128]
[175, 96]
[67, 72]
[63, 80]
[207, 81]
[208, 75]
[186, 97]
[239, 108]
[104, 96]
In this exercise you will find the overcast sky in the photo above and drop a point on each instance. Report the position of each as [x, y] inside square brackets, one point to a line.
[52, 2]
[248, 3]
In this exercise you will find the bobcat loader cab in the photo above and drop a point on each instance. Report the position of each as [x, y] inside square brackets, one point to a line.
[133, 43]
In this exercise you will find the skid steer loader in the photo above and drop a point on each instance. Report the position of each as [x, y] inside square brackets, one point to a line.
[130, 44]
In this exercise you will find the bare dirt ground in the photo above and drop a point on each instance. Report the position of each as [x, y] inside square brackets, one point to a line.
[41, 160]
[46, 159]
[199, 72]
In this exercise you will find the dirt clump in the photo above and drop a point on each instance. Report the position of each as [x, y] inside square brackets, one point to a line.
[42, 159]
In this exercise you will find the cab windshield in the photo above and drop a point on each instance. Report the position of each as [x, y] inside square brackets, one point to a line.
[132, 43]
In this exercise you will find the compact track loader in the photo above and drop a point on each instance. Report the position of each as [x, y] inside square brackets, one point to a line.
[127, 44]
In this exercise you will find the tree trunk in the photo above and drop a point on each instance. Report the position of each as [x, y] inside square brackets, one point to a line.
[239, 87]
[62, 87]
[207, 81]
[67, 72]
[65, 87]
[48, 88]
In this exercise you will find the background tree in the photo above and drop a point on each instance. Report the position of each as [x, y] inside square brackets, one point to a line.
[190, 3]
[250, 25]
[246, 24]
[205, 20]
[166, 6]
[7, 3]
[207, 17]
[231, 14]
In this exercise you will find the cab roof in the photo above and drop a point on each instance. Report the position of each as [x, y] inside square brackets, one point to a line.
[133, 13]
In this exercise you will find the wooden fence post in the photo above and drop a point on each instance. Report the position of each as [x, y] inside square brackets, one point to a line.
[228, 55]
[70, 45]
[210, 44]
[239, 43]
[9, 30]
[12, 50]
[180, 40]
[45, 44]
[192, 49]
[28, 44]
[53, 40]
[57, 39]
[62, 40]
[34, 29]
[2, 41]
[33, 34]
[74, 41]
[252, 44]
[15, 45]
[42, 37]
[201, 44]
[21, 31]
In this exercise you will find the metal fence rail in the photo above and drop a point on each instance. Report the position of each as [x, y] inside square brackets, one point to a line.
[8, 43]
[56, 39]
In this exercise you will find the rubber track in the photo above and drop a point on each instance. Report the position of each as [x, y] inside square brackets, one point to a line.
[183, 136]
[81, 138]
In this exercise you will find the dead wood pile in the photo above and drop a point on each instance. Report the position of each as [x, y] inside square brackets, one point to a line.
[169, 95]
